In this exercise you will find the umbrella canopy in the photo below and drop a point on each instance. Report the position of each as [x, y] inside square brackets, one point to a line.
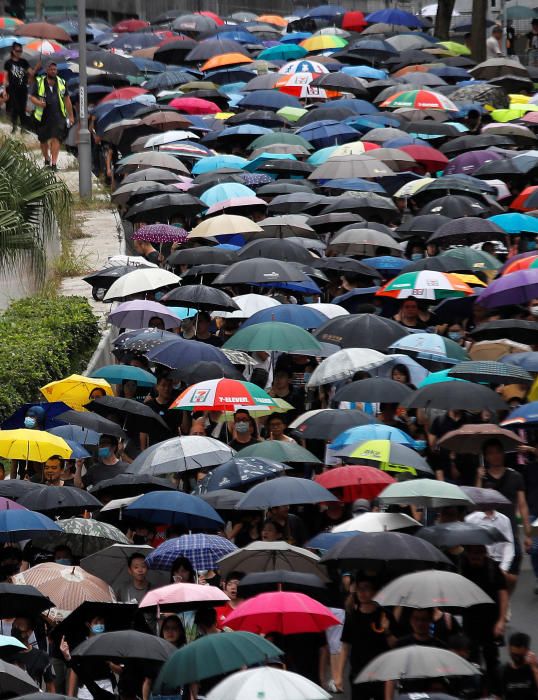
[376, 522]
[60, 500]
[75, 390]
[456, 395]
[184, 596]
[269, 682]
[20, 600]
[181, 454]
[470, 439]
[360, 331]
[390, 456]
[426, 493]
[352, 482]
[140, 281]
[123, 645]
[174, 508]
[22, 524]
[36, 445]
[270, 556]
[327, 423]
[240, 471]
[139, 313]
[16, 682]
[345, 363]
[223, 395]
[285, 612]
[274, 336]
[286, 490]
[281, 580]
[214, 655]
[459, 534]
[203, 551]
[516, 288]
[110, 564]
[374, 390]
[279, 451]
[83, 536]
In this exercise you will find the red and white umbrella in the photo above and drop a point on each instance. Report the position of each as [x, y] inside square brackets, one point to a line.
[223, 395]
[425, 284]
[299, 85]
[420, 99]
[304, 65]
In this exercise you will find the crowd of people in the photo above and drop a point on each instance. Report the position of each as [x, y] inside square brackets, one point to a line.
[325, 337]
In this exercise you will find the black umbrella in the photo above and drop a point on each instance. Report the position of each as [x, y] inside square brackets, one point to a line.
[242, 471]
[459, 534]
[203, 271]
[281, 580]
[137, 416]
[437, 263]
[373, 390]
[164, 207]
[102, 279]
[423, 225]
[127, 485]
[141, 340]
[474, 142]
[22, 600]
[286, 226]
[327, 423]
[151, 175]
[375, 550]
[117, 616]
[109, 62]
[342, 263]
[454, 184]
[327, 223]
[466, 230]
[456, 395]
[485, 499]
[286, 490]
[60, 501]
[454, 206]
[341, 82]
[201, 297]
[361, 331]
[514, 329]
[263, 270]
[213, 47]
[17, 488]
[203, 254]
[260, 117]
[489, 372]
[276, 249]
[430, 129]
[293, 202]
[200, 371]
[222, 499]
[14, 681]
[92, 421]
[278, 187]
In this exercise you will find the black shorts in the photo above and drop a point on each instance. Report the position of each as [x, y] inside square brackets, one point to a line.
[515, 566]
[51, 129]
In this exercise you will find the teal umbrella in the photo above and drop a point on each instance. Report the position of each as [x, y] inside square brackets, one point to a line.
[214, 655]
[279, 451]
[282, 52]
[436, 377]
[274, 336]
[116, 374]
[425, 493]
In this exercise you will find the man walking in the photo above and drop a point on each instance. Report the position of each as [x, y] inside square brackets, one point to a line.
[53, 113]
[17, 72]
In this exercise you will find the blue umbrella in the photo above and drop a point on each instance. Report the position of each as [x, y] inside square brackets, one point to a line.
[239, 471]
[203, 552]
[356, 105]
[295, 37]
[211, 163]
[286, 490]
[179, 353]
[351, 300]
[174, 508]
[525, 360]
[326, 11]
[306, 287]
[257, 162]
[326, 540]
[365, 72]
[51, 410]
[327, 132]
[269, 99]
[394, 16]
[387, 263]
[224, 191]
[392, 183]
[364, 123]
[78, 452]
[74, 433]
[116, 374]
[515, 223]
[403, 141]
[376, 431]
[239, 35]
[321, 155]
[288, 313]
[436, 377]
[523, 416]
[17, 525]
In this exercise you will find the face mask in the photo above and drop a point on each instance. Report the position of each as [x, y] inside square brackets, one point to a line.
[419, 445]
[241, 428]
[456, 336]
[30, 422]
[103, 452]
[65, 562]
[416, 256]
[97, 629]
[534, 310]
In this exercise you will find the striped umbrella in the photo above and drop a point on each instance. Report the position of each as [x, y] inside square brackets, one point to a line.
[223, 394]
[419, 99]
[528, 263]
[425, 284]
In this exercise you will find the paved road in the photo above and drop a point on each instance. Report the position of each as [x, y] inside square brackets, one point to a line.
[525, 608]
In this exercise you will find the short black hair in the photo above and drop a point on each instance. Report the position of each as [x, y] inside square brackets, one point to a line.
[132, 557]
[205, 616]
[519, 639]
[492, 442]
[233, 576]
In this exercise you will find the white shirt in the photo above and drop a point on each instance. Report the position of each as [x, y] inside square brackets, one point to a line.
[493, 48]
[501, 552]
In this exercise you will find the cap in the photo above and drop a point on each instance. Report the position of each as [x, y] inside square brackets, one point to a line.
[36, 411]
[360, 505]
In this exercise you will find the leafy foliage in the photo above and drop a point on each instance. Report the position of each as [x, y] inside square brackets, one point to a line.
[41, 340]
[34, 203]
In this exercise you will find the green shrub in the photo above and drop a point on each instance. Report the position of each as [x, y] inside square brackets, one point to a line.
[42, 339]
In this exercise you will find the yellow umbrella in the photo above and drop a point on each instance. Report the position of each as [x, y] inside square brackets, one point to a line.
[32, 445]
[470, 279]
[224, 224]
[411, 188]
[533, 393]
[75, 390]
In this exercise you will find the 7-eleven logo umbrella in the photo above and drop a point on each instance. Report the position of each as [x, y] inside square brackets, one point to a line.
[425, 284]
[224, 395]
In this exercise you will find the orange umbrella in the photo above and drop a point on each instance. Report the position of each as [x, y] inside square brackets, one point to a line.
[418, 68]
[277, 20]
[225, 59]
[520, 201]
[43, 30]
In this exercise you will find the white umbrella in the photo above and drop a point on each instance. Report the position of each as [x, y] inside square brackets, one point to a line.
[134, 260]
[377, 522]
[267, 682]
[141, 281]
[248, 304]
[330, 310]
[224, 224]
[416, 371]
[344, 363]
[169, 137]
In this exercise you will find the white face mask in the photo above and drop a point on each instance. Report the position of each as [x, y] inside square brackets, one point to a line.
[534, 310]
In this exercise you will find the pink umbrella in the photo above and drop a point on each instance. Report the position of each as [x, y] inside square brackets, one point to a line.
[137, 314]
[8, 504]
[236, 203]
[283, 611]
[161, 233]
[194, 105]
[184, 596]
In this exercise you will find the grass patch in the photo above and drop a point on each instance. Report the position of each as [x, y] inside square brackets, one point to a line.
[71, 263]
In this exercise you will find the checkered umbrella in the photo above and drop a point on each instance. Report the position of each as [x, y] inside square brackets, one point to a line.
[203, 551]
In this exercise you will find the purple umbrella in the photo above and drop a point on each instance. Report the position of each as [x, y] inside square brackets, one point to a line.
[467, 163]
[137, 314]
[8, 504]
[516, 288]
[160, 233]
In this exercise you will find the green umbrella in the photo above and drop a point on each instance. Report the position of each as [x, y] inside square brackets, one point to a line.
[520, 12]
[292, 114]
[427, 493]
[279, 451]
[213, 655]
[274, 336]
[471, 259]
[280, 137]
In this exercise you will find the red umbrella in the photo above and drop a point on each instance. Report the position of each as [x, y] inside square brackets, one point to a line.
[130, 25]
[355, 481]
[430, 158]
[284, 612]
[43, 30]
[194, 105]
[212, 15]
[520, 202]
[354, 21]
[126, 93]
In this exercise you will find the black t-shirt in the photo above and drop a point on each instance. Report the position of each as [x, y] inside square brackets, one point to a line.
[411, 640]
[38, 665]
[479, 620]
[510, 483]
[364, 633]
[18, 74]
[99, 472]
[51, 97]
[171, 418]
[440, 458]
[519, 683]
[213, 340]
